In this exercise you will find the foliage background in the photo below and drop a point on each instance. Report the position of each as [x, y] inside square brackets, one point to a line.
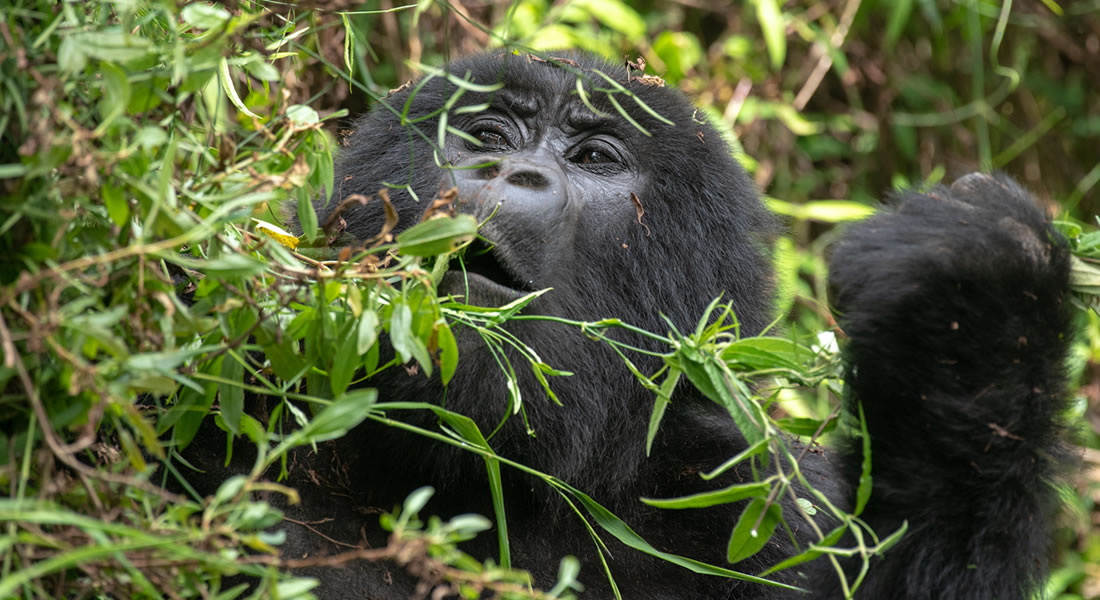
[131, 130]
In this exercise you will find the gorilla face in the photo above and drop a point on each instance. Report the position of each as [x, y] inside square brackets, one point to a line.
[548, 177]
[563, 182]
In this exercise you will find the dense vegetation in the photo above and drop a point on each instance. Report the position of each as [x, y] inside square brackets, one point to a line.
[151, 152]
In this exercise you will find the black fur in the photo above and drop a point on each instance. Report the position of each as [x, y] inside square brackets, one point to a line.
[957, 309]
[954, 302]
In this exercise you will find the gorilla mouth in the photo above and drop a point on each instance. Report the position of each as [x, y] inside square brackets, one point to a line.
[484, 261]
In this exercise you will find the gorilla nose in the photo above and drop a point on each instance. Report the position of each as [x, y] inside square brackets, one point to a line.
[528, 178]
[523, 189]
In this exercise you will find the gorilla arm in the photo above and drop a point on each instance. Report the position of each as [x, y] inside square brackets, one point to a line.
[956, 306]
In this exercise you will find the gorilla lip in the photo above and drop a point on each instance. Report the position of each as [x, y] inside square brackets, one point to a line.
[483, 260]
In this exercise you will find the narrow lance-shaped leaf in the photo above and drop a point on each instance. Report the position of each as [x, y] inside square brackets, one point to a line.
[748, 536]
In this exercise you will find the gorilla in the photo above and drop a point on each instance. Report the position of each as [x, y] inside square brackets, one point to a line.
[616, 193]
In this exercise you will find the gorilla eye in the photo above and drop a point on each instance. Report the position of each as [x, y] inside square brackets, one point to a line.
[491, 139]
[594, 156]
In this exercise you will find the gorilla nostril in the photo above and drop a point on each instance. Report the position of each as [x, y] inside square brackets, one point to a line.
[528, 179]
[489, 172]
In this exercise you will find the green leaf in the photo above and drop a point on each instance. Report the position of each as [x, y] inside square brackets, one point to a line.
[150, 137]
[809, 554]
[116, 94]
[680, 51]
[111, 45]
[766, 353]
[405, 339]
[725, 495]
[333, 421]
[615, 15]
[231, 393]
[722, 386]
[804, 426]
[230, 89]
[899, 18]
[118, 210]
[366, 332]
[437, 236]
[417, 500]
[280, 352]
[448, 353]
[616, 527]
[660, 403]
[825, 211]
[748, 538]
[344, 363]
[400, 331]
[863, 493]
[307, 217]
[344, 414]
[204, 16]
[70, 56]
[262, 70]
[774, 26]
[302, 115]
[228, 265]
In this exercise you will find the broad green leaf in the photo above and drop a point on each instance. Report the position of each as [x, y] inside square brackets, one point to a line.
[262, 70]
[302, 115]
[723, 387]
[70, 56]
[150, 137]
[616, 15]
[680, 51]
[344, 414]
[116, 94]
[333, 421]
[417, 500]
[766, 353]
[748, 537]
[204, 16]
[437, 236]
[118, 210]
